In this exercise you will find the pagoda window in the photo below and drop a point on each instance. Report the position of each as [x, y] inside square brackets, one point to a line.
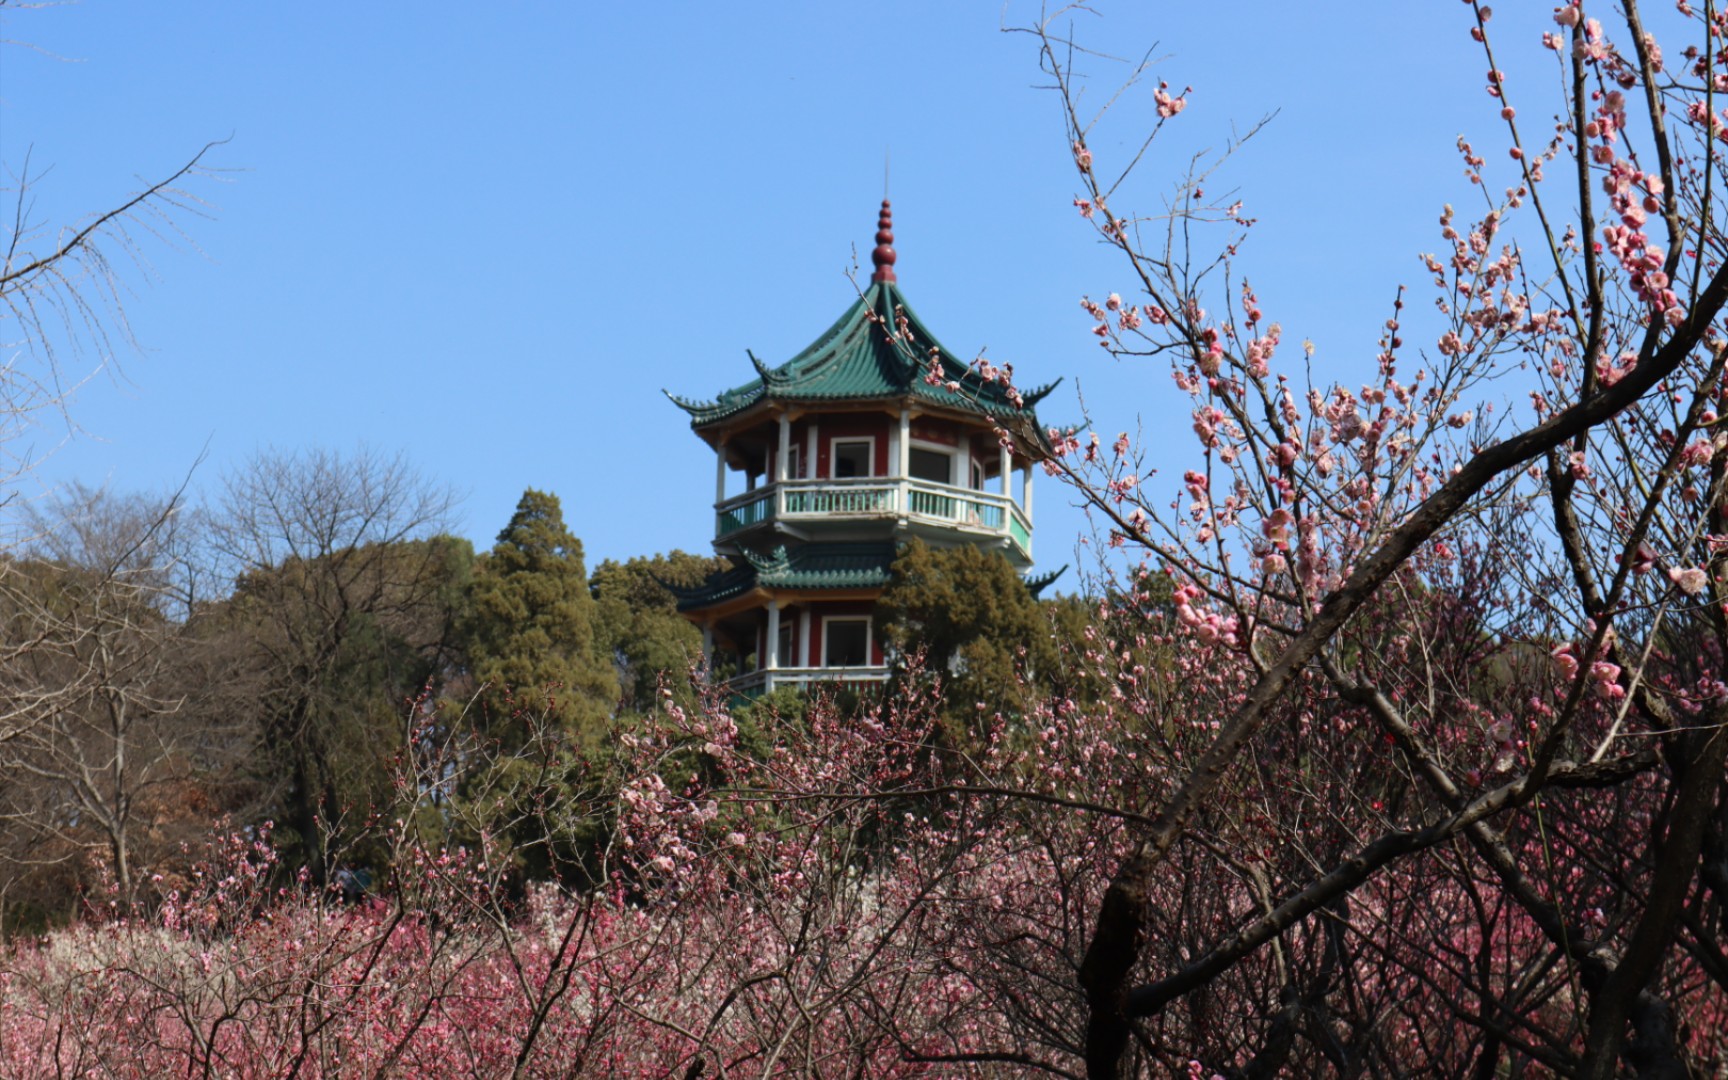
[792, 462]
[787, 657]
[934, 466]
[845, 641]
[852, 457]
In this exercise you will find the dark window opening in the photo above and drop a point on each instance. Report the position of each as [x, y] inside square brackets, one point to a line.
[851, 459]
[846, 643]
[931, 465]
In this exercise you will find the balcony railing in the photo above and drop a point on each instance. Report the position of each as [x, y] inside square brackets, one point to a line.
[797, 501]
[754, 684]
[833, 498]
[743, 511]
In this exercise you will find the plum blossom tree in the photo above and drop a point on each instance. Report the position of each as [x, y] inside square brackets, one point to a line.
[1460, 792]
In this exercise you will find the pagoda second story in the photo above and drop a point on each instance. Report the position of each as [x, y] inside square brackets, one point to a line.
[824, 464]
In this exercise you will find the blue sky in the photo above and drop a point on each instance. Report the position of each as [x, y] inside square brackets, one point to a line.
[487, 235]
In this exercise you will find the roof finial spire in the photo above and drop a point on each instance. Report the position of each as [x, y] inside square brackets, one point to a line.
[883, 257]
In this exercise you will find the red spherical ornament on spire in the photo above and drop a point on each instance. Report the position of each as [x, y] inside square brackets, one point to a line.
[883, 257]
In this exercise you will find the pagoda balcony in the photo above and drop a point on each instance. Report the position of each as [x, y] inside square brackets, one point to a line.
[753, 684]
[790, 504]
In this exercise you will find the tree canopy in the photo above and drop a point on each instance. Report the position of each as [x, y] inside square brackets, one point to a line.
[966, 612]
[638, 625]
[530, 629]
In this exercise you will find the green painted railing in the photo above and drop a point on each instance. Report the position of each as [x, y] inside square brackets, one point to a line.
[745, 514]
[930, 504]
[950, 504]
[975, 511]
[753, 684]
[874, 499]
[1021, 534]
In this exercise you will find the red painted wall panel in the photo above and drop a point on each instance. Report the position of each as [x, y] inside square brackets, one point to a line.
[843, 426]
[839, 607]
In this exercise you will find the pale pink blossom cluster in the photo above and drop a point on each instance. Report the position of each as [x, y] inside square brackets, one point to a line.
[1063, 441]
[1690, 580]
[1169, 106]
[1604, 675]
[1635, 195]
[1609, 372]
[1209, 626]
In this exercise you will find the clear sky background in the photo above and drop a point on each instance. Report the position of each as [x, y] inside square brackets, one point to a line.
[487, 235]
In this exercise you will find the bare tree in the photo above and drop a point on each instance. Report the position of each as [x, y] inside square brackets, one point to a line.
[82, 626]
[104, 756]
[343, 587]
[61, 315]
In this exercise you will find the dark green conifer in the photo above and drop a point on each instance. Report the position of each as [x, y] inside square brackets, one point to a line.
[531, 641]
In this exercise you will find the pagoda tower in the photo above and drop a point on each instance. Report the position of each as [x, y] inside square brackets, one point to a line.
[824, 465]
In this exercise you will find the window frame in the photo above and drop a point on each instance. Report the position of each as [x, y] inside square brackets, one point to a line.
[949, 452]
[834, 444]
[869, 641]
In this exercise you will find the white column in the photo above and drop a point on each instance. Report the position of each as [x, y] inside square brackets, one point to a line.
[903, 453]
[810, 469]
[1026, 494]
[1004, 470]
[963, 462]
[720, 474]
[773, 650]
[782, 466]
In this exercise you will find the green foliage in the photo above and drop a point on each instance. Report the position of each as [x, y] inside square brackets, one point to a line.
[530, 631]
[638, 624]
[546, 697]
[970, 616]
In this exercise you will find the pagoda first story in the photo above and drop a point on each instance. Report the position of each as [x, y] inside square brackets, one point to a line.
[825, 465]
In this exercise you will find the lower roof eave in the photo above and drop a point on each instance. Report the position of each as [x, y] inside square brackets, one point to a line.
[759, 598]
[732, 605]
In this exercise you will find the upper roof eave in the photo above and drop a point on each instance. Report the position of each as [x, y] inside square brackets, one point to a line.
[877, 350]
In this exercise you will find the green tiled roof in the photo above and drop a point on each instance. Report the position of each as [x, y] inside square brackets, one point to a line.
[810, 566]
[1037, 585]
[878, 349]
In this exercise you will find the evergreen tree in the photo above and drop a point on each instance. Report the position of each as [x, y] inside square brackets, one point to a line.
[639, 626]
[530, 634]
[970, 616]
[546, 695]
